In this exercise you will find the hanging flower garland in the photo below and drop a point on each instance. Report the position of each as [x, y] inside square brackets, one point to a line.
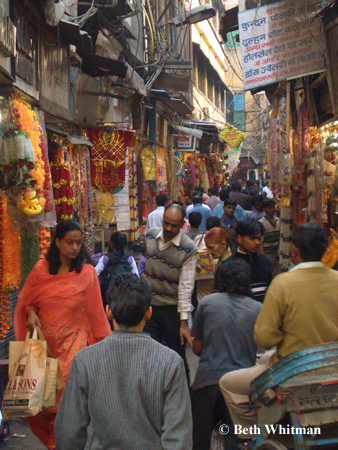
[63, 191]
[9, 267]
[44, 241]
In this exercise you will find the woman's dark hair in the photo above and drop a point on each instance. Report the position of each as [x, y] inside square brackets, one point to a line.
[53, 254]
[248, 227]
[234, 277]
[230, 201]
[129, 298]
[212, 222]
[311, 241]
[120, 241]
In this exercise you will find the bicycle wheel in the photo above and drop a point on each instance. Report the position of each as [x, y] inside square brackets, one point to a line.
[217, 441]
[270, 445]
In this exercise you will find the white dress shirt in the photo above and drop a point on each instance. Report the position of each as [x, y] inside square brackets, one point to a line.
[187, 278]
[155, 218]
[100, 265]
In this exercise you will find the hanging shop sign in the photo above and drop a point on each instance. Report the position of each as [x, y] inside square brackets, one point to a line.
[232, 136]
[54, 63]
[280, 41]
[185, 142]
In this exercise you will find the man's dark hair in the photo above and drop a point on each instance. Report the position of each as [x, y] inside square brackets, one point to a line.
[311, 241]
[161, 199]
[177, 207]
[257, 198]
[252, 193]
[200, 189]
[195, 219]
[248, 184]
[256, 182]
[129, 297]
[177, 202]
[268, 202]
[234, 277]
[224, 194]
[230, 201]
[212, 222]
[248, 227]
[236, 186]
[212, 191]
[196, 200]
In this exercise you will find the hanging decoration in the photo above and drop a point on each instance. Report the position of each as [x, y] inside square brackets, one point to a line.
[62, 186]
[148, 164]
[80, 169]
[44, 242]
[30, 252]
[133, 195]
[108, 154]
[24, 167]
[178, 166]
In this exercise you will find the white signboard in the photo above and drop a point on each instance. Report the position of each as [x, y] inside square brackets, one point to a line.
[185, 142]
[121, 203]
[279, 41]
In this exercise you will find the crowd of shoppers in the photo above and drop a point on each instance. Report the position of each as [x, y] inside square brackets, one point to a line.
[209, 279]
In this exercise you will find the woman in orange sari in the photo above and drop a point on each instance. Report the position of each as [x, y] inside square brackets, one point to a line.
[62, 296]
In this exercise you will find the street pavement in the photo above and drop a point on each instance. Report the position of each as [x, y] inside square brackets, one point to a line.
[30, 442]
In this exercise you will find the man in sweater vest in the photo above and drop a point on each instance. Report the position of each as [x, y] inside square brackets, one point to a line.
[300, 310]
[129, 388]
[170, 274]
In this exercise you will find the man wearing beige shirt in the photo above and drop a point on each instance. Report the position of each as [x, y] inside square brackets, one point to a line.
[170, 274]
[300, 310]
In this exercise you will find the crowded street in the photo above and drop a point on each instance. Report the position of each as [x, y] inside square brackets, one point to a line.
[168, 225]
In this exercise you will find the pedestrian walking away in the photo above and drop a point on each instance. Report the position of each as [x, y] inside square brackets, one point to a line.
[129, 388]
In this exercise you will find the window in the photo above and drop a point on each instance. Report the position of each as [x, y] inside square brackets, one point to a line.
[235, 110]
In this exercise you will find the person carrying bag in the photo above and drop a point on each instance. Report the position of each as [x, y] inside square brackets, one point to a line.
[27, 371]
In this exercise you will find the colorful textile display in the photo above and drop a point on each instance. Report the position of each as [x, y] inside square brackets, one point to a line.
[108, 156]
[161, 169]
[148, 164]
[133, 195]
[80, 169]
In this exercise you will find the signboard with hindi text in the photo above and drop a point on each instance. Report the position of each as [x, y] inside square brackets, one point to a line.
[280, 41]
[185, 142]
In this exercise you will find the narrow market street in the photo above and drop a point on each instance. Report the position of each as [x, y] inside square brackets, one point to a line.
[169, 224]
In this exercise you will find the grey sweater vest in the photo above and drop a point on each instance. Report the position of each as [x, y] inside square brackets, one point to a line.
[163, 268]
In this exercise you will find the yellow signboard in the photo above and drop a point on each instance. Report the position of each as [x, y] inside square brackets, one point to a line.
[232, 136]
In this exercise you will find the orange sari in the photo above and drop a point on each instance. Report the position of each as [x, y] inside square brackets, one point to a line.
[71, 312]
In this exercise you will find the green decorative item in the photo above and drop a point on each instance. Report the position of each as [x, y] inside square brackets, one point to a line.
[29, 252]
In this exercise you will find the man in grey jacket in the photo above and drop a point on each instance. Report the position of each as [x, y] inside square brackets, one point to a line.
[129, 388]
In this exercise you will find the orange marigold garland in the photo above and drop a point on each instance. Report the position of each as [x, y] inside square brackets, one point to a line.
[9, 267]
[44, 241]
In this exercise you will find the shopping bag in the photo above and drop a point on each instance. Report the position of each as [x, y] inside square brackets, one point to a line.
[25, 389]
[54, 379]
[204, 267]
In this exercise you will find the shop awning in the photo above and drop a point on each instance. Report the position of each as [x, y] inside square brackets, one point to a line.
[99, 66]
[228, 22]
[193, 132]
